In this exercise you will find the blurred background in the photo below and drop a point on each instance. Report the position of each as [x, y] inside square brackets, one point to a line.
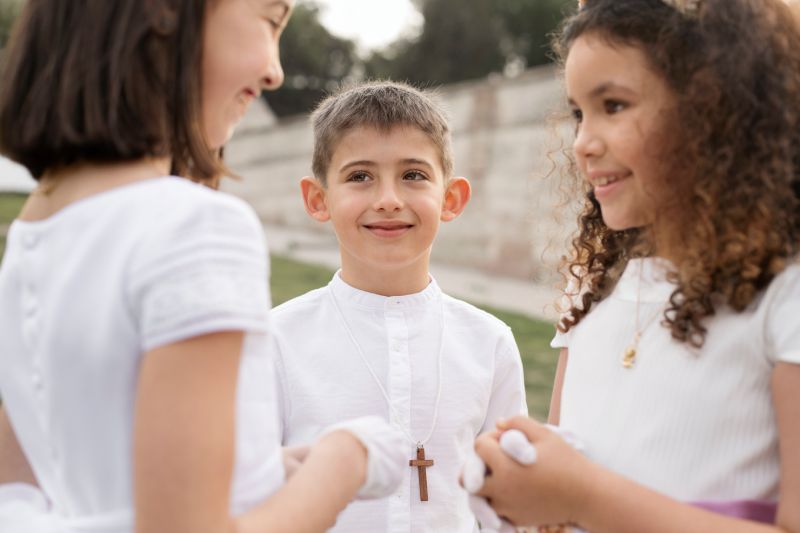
[490, 65]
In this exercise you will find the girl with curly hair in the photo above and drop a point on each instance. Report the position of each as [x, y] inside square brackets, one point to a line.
[680, 349]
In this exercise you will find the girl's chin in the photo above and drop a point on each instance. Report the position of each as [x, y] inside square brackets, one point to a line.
[618, 223]
[218, 139]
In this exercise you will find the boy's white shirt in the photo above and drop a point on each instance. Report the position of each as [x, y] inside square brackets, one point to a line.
[323, 380]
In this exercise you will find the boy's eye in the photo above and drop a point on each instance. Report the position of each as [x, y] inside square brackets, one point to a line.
[613, 106]
[414, 175]
[358, 177]
[577, 115]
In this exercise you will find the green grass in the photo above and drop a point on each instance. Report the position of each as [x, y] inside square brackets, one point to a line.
[10, 204]
[291, 278]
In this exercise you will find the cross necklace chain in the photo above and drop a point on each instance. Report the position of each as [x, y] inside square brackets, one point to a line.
[420, 462]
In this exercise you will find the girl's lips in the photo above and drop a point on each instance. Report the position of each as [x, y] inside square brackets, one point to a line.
[604, 191]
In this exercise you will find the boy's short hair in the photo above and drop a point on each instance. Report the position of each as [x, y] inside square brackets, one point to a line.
[381, 105]
[101, 81]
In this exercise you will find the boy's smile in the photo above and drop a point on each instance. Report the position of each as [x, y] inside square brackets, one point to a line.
[388, 228]
[386, 195]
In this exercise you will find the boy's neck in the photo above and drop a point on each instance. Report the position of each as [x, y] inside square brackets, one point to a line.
[387, 282]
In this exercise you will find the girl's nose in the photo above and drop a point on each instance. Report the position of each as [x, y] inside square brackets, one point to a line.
[587, 143]
[273, 77]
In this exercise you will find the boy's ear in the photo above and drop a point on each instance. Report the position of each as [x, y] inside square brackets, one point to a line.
[456, 196]
[314, 199]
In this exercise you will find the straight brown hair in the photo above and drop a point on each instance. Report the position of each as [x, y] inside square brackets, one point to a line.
[106, 81]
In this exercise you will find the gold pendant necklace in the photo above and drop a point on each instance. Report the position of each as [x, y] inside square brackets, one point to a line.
[630, 353]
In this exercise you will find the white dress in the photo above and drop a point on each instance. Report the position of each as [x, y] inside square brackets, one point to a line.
[324, 381]
[83, 294]
[697, 425]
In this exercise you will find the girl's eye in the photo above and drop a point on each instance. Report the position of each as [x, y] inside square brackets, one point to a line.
[358, 177]
[577, 115]
[275, 23]
[414, 175]
[613, 107]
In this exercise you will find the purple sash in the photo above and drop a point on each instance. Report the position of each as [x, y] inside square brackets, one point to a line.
[758, 511]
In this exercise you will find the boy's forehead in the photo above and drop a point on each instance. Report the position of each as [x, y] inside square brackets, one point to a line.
[368, 143]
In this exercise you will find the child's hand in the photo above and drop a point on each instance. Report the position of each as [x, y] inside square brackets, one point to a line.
[386, 454]
[550, 491]
[514, 443]
[293, 458]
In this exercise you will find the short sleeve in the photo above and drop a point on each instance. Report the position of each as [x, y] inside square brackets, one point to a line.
[508, 384]
[202, 270]
[783, 317]
[560, 340]
[569, 298]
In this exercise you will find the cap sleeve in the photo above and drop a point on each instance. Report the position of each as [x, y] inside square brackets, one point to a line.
[560, 340]
[203, 269]
[783, 317]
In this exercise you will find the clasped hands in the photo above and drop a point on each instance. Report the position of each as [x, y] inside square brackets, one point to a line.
[523, 473]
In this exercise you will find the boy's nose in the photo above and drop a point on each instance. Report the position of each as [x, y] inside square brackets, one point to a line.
[388, 198]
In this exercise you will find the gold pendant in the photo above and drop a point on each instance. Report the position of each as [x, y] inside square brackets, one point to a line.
[630, 357]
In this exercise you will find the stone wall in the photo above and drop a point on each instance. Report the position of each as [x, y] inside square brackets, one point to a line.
[504, 142]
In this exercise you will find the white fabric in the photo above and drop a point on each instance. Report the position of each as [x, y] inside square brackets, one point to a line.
[693, 424]
[516, 445]
[325, 381]
[386, 458]
[84, 293]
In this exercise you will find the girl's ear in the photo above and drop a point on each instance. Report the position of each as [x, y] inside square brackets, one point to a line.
[314, 200]
[456, 196]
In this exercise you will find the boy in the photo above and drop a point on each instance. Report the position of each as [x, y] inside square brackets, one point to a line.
[381, 338]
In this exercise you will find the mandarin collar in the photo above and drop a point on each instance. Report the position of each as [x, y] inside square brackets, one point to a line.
[350, 296]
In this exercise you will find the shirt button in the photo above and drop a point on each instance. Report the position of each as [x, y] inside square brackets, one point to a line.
[36, 379]
[31, 309]
[397, 347]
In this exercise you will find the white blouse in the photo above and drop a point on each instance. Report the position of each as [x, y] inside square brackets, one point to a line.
[84, 293]
[697, 425]
[325, 381]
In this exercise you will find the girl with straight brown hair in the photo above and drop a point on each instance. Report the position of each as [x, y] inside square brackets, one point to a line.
[134, 331]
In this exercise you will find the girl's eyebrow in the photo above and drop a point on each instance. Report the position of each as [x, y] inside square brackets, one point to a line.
[286, 7]
[604, 88]
[608, 87]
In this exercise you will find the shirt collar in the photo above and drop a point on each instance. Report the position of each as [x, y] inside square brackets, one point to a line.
[349, 295]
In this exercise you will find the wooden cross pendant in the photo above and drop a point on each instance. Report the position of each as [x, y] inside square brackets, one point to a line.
[421, 463]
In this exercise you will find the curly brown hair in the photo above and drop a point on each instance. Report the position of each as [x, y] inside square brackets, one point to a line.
[734, 153]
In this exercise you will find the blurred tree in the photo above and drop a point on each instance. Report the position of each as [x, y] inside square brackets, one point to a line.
[8, 12]
[314, 61]
[458, 41]
[461, 40]
[528, 26]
